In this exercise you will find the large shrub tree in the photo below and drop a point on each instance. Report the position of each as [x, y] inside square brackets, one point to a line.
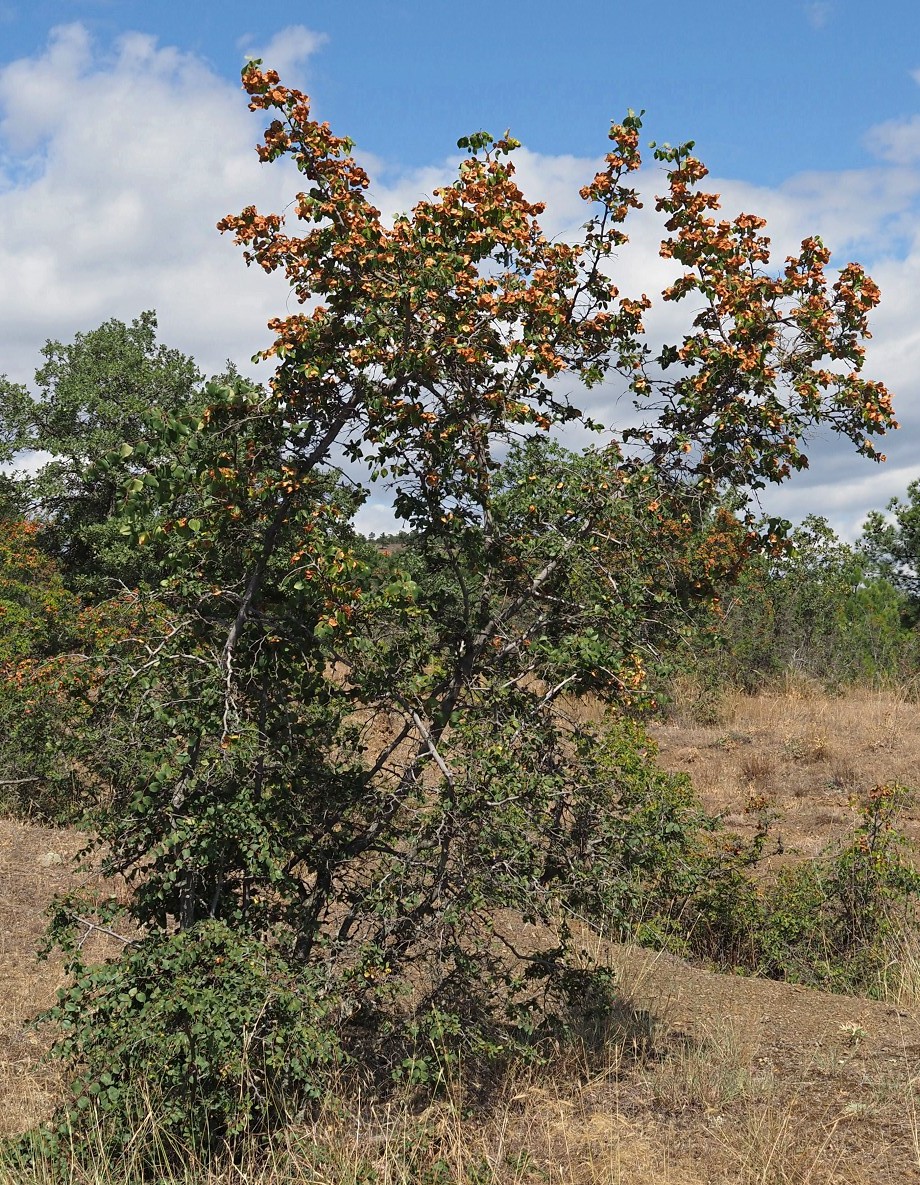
[89, 396]
[355, 774]
[62, 545]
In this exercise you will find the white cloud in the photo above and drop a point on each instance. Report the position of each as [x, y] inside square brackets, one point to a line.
[896, 140]
[115, 167]
[114, 174]
[287, 51]
[846, 499]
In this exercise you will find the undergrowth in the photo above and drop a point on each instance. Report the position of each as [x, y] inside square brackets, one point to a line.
[830, 922]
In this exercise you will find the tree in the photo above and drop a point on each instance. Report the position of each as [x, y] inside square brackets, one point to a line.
[38, 620]
[62, 543]
[814, 608]
[893, 545]
[92, 394]
[372, 768]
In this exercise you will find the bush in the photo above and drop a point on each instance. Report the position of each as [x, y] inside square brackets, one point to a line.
[191, 1040]
[342, 772]
[828, 922]
[50, 734]
[222, 1036]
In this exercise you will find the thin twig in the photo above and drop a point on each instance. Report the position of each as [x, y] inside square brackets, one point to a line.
[105, 930]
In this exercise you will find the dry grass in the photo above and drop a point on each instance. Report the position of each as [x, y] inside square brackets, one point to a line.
[712, 1109]
[808, 752]
[901, 982]
[705, 1080]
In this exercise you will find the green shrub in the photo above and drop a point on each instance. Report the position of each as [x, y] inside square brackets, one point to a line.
[330, 778]
[826, 922]
[192, 1040]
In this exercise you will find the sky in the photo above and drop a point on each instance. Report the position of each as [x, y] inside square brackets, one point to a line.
[124, 137]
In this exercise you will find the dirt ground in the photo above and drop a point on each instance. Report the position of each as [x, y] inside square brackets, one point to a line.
[711, 1078]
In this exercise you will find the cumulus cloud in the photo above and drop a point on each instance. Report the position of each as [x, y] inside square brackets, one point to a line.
[115, 165]
[114, 169]
[897, 140]
[287, 52]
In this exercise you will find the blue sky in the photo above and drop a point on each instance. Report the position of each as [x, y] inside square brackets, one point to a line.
[123, 137]
[766, 87]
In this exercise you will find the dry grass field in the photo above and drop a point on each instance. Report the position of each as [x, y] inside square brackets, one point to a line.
[804, 752]
[708, 1079]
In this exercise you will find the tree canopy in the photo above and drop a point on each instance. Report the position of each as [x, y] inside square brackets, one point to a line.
[893, 543]
[105, 387]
